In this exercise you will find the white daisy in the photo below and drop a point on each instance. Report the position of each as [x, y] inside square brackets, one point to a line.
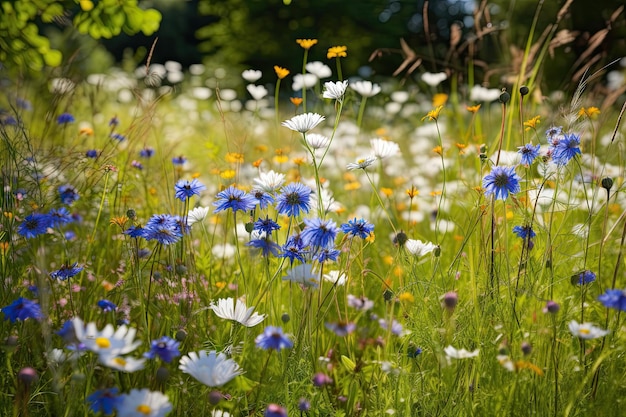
[302, 274]
[335, 90]
[303, 122]
[125, 364]
[480, 93]
[256, 91]
[317, 141]
[223, 251]
[434, 79]
[197, 214]
[319, 69]
[301, 81]
[270, 181]
[361, 163]
[108, 342]
[418, 248]
[211, 368]
[231, 309]
[454, 353]
[366, 88]
[143, 403]
[251, 75]
[382, 148]
[336, 277]
[586, 330]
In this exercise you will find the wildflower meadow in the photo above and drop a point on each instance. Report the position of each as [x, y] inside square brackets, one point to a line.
[305, 241]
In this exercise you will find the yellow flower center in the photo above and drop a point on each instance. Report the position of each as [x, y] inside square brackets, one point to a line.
[119, 361]
[144, 409]
[103, 342]
[583, 331]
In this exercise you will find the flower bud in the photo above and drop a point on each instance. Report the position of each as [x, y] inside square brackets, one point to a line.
[526, 348]
[450, 300]
[607, 183]
[400, 239]
[181, 335]
[285, 318]
[27, 376]
[504, 96]
[523, 90]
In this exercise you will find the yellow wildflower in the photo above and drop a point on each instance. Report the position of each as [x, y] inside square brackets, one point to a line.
[228, 174]
[306, 43]
[387, 192]
[296, 100]
[435, 193]
[260, 148]
[337, 52]
[281, 72]
[195, 175]
[87, 131]
[234, 158]
[107, 285]
[412, 192]
[590, 112]
[370, 238]
[119, 221]
[433, 114]
[257, 163]
[473, 109]
[351, 186]
[406, 296]
[281, 159]
[388, 260]
[299, 160]
[461, 147]
[440, 99]
[8, 215]
[220, 285]
[438, 150]
[532, 123]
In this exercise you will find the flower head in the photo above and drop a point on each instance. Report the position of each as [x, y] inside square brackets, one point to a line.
[234, 199]
[231, 309]
[524, 232]
[365, 88]
[614, 299]
[60, 216]
[186, 189]
[251, 75]
[34, 224]
[302, 274]
[361, 163]
[434, 79]
[273, 338]
[294, 249]
[306, 43]
[196, 215]
[143, 403]
[319, 69]
[318, 232]
[357, 228]
[275, 410]
[382, 148]
[584, 277]
[164, 228]
[106, 305]
[418, 248]
[211, 368]
[295, 197]
[303, 122]
[341, 328]
[337, 52]
[433, 114]
[281, 72]
[165, 348]
[66, 271]
[360, 303]
[454, 353]
[317, 141]
[335, 90]
[501, 181]
[68, 194]
[108, 342]
[270, 181]
[104, 401]
[529, 152]
[586, 330]
[65, 118]
[22, 309]
[566, 149]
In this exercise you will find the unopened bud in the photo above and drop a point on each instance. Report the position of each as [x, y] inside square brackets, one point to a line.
[523, 90]
[504, 96]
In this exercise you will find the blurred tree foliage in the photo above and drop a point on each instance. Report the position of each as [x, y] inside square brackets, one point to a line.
[22, 45]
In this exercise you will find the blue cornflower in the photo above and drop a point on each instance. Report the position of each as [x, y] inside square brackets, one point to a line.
[68, 333]
[395, 326]
[318, 232]
[66, 271]
[134, 231]
[118, 137]
[501, 181]
[22, 309]
[265, 245]
[104, 400]
[357, 228]
[275, 410]
[136, 164]
[294, 249]
[34, 224]
[65, 118]
[179, 160]
[266, 225]
[614, 299]
[584, 277]
[60, 216]
[146, 152]
[163, 228]
[8, 120]
[295, 197]
[165, 348]
[23, 103]
[114, 122]
[106, 305]
[91, 153]
[328, 254]
[234, 199]
[342, 328]
[529, 152]
[524, 232]
[68, 194]
[553, 132]
[186, 189]
[273, 338]
[566, 149]
[263, 198]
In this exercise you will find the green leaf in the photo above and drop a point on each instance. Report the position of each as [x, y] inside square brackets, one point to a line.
[53, 58]
[348, 363]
